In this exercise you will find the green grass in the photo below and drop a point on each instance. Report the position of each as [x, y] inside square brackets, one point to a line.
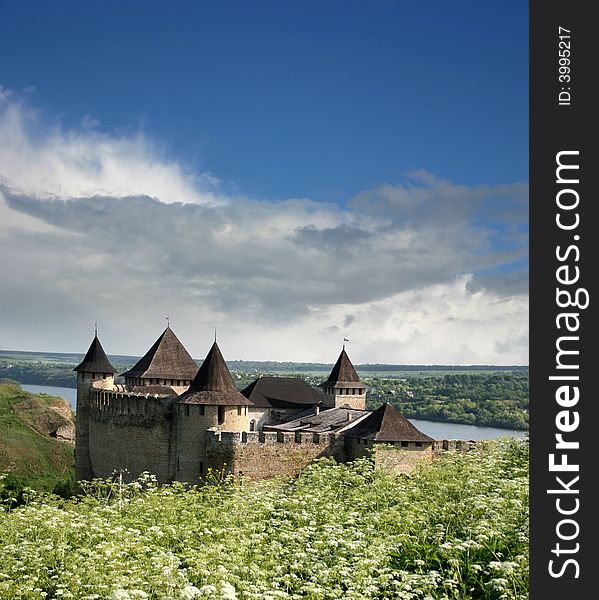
[454, 530]
[27, 453]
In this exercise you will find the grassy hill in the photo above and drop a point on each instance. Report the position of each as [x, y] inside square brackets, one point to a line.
[29, 456]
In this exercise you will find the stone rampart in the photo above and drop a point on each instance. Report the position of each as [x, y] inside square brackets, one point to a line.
[262, 455]
[133, 432]
[440, 446]
[129, 408]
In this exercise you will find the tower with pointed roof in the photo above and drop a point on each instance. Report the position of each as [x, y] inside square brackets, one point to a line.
[343, 387]
[95, 368]
[167, 364]
[212, 404]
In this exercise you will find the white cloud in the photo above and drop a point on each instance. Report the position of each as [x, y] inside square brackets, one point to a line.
[47, 160]
[103, 227]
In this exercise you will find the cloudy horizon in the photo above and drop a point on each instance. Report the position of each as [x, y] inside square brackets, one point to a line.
[409, 272]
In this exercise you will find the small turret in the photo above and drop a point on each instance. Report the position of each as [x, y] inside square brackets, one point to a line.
[213, 387]
[344, 386]
[95, 369]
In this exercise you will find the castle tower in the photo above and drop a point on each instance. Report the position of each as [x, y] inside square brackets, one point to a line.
[167, 364]
[95, 369]
[212, 405]
[344, 386]
[386, 426]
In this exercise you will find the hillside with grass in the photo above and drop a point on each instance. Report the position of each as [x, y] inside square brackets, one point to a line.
[29, 454]
[456, 529]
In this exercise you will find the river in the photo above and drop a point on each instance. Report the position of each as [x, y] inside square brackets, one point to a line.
[438, 431]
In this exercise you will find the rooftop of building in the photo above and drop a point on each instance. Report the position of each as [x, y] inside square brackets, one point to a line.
[385, 424]
[343, 374]
[320, 421]
[281, 392]
[166, 359]
[95, 360]
[213, 384]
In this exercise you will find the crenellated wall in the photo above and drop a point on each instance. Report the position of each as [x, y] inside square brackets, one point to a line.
[132, 432]
[261, 455]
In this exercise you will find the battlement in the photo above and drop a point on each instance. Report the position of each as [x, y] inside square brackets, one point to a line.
[453, 445]
[119, 403]
[269, 438]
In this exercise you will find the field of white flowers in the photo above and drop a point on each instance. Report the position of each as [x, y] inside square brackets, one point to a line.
[455, 530]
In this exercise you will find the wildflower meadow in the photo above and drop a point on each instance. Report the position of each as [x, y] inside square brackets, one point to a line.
[455, 529]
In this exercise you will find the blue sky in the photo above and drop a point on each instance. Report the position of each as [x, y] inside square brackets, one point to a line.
[322, 170]
[289, 99]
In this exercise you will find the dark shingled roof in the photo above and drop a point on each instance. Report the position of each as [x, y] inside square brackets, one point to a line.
[213, 384]
[166, 359]
[95, 361]
[385, 424]
[330, 420]
[281, 392]
[343, 373]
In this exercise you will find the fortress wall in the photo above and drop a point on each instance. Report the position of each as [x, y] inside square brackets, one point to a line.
[271, 454]
[392, 457]
[192, 422]
[132, 432]
[440, 446]
[86, 386]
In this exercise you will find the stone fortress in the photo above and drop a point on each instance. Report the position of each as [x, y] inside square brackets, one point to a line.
[177, 421]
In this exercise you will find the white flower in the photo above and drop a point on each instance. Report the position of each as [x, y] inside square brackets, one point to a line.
[207, 590]
[191, 591]
[228, 591]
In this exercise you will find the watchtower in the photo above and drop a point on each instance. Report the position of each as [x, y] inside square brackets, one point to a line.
[344, 386]
[95, 369]
[212, 404]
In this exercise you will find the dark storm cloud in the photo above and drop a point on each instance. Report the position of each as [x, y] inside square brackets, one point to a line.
[257, 258]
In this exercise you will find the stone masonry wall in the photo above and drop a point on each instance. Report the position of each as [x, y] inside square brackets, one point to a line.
[336, 400]
[86, 385]
[131, 432]
[391, 457]
[271, 454]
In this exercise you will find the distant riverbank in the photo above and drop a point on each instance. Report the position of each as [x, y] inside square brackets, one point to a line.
[439, 431]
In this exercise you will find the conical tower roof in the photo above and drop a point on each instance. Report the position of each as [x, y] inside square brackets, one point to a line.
[343, 373]
[385, 424]
[95, 361]
[213, 383]
[166, 359]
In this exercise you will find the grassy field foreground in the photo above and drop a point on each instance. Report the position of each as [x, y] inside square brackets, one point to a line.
[455, 530]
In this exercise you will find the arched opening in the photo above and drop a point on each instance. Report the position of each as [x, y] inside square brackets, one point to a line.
[253, 425]
[221, 415]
